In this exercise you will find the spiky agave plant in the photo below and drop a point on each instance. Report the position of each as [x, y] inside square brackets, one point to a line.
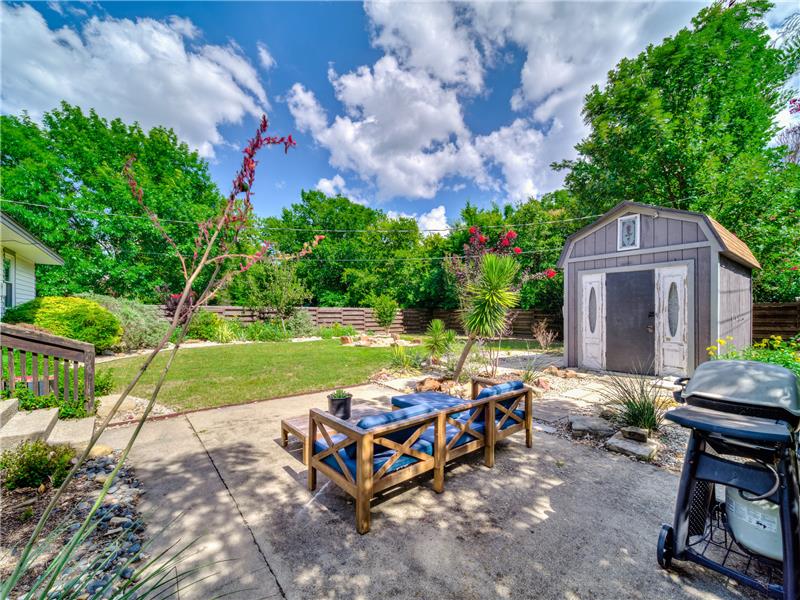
[489, 300]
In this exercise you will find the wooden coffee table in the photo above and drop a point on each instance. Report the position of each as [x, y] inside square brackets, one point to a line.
[298, 426]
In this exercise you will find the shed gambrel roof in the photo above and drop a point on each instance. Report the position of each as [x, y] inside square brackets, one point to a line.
[730, 245]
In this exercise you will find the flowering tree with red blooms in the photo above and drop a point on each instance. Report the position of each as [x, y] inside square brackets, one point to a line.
[215, 260]
[468, 272]
[465, 269]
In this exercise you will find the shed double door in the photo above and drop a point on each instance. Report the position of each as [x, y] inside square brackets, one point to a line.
[635, 321]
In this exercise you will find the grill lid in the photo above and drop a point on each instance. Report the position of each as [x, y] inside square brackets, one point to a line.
[746, 382]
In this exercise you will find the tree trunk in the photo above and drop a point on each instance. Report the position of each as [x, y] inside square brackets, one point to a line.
[463, 358]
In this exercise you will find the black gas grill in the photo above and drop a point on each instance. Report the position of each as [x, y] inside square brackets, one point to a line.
[738, 507]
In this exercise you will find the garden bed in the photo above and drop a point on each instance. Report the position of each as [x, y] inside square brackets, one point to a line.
[119, 536]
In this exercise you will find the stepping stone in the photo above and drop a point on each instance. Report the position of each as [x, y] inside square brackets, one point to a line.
[637, 434]
[28, 425]
[642, 450]
[73, 432]
[594, 426]
[543, 428]
[8, 408]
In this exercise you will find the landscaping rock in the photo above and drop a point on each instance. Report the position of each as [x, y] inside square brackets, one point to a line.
[542, 383]
[641, 450]
[583, 425]
[346, 339]
[570, 374]
[637, 434]
[429, 384]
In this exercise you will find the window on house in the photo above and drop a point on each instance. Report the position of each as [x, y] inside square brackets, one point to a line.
[628, 232]
[8, 280]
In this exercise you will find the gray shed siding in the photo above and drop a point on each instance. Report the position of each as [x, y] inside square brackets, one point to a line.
[735, 302]
[657, 235]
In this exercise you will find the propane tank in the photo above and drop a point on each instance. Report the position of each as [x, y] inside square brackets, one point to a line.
[756, 524]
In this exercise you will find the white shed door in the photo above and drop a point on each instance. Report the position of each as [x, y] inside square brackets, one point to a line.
[593, 321]
[672, 330]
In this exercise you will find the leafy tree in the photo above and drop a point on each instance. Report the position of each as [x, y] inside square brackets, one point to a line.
[489, 300]
[72, 164]
[688, 124]
[271, 286]
[385, 309]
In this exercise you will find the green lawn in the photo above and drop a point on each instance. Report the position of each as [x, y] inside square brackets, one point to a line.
[221, 375]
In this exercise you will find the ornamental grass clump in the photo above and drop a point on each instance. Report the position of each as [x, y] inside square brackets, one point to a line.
[636, 400]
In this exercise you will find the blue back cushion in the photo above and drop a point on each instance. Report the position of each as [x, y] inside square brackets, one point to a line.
[373, 421]
[500, 388]
[393, 416]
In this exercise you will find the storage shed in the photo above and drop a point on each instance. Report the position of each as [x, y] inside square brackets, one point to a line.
[648, 289]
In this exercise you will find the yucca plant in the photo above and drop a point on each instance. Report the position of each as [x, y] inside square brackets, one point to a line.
[488, 302]
[440, 339]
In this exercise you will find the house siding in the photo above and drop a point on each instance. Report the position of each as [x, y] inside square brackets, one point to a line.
[25, 283]
[735, 303]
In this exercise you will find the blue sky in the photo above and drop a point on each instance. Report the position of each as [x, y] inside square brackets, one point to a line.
[413, 109]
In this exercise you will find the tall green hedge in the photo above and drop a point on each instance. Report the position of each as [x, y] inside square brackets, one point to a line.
[74, 318]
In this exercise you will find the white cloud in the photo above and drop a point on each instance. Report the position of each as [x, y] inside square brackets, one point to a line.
[431, 36]
[336, 186]
[516, 150]
[264, 57]
[431, 222]
[434, 219]
[141, 70]
[568, 46]
[402, 130]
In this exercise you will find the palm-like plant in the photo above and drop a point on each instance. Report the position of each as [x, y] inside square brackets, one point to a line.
[440, 339]
[488, 301]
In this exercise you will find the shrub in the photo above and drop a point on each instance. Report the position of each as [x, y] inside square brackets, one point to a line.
[103, 382]
[208, 326]
[143, 326]
[32, 463]
[636, 401]
[404, 360]
[300, 324]
[336, 330]
[774, 350]
[385, 309]
[265, 331]
[75, 318]
[440, 339]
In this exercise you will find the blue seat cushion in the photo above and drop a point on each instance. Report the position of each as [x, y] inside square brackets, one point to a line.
[500, 388]
[509, 421]
[450, 432]
[381, 455]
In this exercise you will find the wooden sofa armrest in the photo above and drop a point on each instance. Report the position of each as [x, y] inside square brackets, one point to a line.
[335, 423]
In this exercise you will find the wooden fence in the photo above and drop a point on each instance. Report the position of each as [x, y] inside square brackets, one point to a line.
[46, 363]
[776, 318]
[768, 319]
[408, 320]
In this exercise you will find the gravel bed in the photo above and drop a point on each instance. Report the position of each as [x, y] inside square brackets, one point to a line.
[114, 546]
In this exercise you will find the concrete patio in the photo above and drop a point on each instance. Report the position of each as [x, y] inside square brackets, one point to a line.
[561, 520]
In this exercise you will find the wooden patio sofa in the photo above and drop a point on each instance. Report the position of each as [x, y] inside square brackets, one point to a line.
[383, 450]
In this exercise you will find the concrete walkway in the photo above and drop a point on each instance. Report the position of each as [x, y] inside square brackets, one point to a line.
[560, 520]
